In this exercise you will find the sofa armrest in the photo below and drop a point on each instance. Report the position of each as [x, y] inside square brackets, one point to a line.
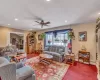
[19, 65]
[62, 53]
[62, 56]
[24, 72]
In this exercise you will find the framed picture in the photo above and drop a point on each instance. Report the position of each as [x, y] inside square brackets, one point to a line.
[83, 36]
[39, 37]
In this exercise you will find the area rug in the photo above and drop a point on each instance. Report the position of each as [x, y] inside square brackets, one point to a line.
[54, 71]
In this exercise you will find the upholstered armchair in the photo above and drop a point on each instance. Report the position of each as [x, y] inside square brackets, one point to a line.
[11, 71]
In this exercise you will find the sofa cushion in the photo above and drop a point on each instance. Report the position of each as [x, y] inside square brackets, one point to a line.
[50, 48]
[19, 65]
[61, 50]
[24, 72]
[52, 53]
[55, 53]
[54, 49]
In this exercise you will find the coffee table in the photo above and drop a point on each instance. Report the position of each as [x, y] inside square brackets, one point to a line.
[46, 58]
[20, 57]
[17, 58]
[70, 59]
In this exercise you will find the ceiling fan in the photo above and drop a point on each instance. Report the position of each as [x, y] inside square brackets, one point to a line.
[42, 23]
[38, 20]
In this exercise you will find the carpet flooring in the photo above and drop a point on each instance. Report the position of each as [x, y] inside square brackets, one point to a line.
[32, 55]
[79, 72]
[53, 71]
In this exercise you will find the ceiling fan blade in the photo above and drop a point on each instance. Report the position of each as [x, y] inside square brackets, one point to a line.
[37, 22]
[47, 23]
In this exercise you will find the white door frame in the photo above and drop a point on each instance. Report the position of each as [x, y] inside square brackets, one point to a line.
[8, 38]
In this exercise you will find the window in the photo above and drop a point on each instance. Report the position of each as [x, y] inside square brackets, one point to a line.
[59, 38]
[49, 39]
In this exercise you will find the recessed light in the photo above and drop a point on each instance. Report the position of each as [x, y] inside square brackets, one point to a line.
[65, 20]
[16, 19]
[30, 29]
[98, 13]
[8, 24]
[48, 0]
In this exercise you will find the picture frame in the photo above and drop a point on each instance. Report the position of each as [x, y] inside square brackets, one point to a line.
[40, 37]
[83, 36]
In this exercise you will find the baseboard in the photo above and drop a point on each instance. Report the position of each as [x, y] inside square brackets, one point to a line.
[91, 62]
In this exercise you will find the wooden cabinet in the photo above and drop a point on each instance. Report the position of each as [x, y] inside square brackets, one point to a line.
[70, 59]
[31, 42]
[84, 56]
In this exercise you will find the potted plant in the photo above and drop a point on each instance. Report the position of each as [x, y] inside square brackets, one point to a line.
[71, 35]
[41, 36]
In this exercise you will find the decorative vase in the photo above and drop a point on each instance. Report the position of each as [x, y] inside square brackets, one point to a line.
[83, 48]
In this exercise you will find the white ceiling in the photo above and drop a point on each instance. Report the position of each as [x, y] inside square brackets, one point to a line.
[55, 11]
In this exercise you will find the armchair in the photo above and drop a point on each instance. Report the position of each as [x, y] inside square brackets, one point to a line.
[11, 71]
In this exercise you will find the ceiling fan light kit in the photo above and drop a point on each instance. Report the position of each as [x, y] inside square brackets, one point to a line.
[43, 23]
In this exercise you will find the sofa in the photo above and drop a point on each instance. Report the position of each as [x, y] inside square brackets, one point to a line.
[8, 50]
[12, 71]
[57, 52]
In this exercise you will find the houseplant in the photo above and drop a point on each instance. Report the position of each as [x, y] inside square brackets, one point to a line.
[71, 35]
[43, 35]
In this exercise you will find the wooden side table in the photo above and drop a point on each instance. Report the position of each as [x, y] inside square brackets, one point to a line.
[70, 59]
[84, 55]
